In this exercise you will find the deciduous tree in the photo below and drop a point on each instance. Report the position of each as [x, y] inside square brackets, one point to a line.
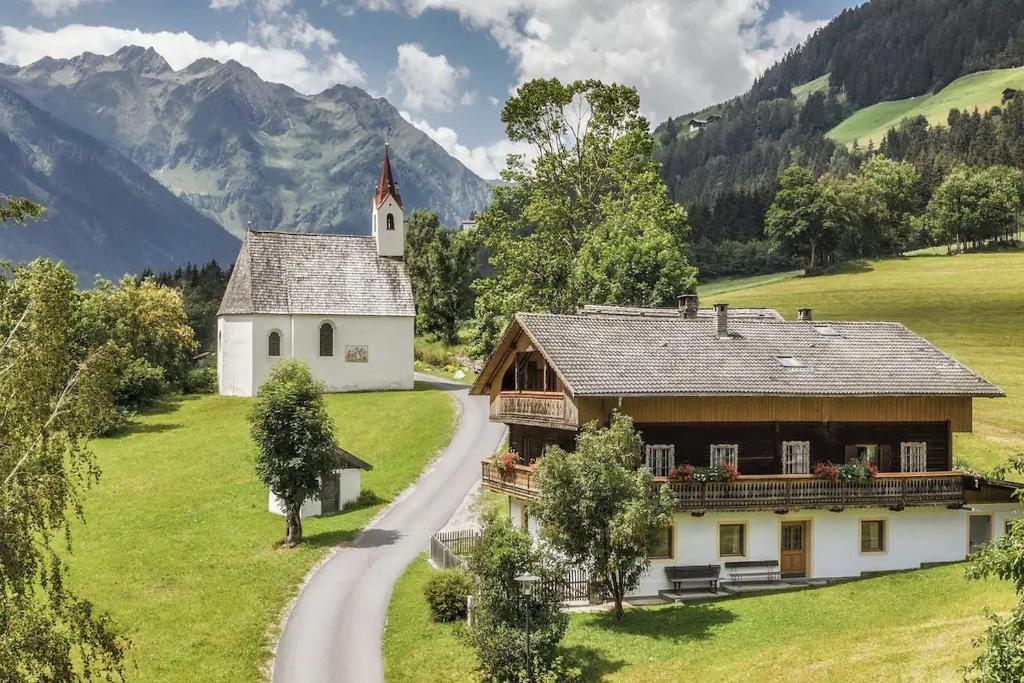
[598, 507]
[806, 216]
[294, 438]
[53, 389]
[590, 175]
[441, 266]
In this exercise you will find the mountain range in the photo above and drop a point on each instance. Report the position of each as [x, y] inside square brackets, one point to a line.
[233, 148]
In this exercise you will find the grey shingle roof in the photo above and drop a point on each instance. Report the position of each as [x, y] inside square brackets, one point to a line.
[633, 311]
[280, 272]
[622, 355]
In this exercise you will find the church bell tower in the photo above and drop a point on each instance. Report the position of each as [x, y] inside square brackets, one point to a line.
[387, 215]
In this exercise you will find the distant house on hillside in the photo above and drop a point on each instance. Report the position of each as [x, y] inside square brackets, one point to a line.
[342, 303]
[697, 124]
[795, 407]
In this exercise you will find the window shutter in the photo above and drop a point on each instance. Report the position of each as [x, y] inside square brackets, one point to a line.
[850, 453]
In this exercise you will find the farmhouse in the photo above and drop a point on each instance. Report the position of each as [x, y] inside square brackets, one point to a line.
[785, 403]
[342, 303]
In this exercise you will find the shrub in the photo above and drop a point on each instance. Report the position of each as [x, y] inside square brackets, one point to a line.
[446, 593]
[140, 385]
[200, 380]
[497, 634]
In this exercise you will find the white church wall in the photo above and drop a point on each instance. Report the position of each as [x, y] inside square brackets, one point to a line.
[234, 355]
[386, 340]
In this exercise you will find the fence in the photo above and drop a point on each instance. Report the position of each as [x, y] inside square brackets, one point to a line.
[449, 548]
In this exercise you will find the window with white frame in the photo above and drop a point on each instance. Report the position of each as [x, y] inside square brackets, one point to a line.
[725, 454]
[796, 457]
[914, 456]
[660, 459]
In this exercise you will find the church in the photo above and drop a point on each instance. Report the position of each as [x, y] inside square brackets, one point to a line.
[341, 303]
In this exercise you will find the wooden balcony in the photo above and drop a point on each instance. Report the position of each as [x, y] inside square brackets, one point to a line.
[778, 491]
[542, 408]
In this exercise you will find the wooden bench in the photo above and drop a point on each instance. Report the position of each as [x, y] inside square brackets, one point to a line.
[701, 575]
[753, 570]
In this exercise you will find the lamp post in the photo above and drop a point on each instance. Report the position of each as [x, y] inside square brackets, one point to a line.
[526, 582]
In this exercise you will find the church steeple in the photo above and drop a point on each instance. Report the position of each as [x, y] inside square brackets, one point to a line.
[387, 185]
[387, 214]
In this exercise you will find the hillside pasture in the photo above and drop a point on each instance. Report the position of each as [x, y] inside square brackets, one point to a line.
[179, 547]
[981, 91]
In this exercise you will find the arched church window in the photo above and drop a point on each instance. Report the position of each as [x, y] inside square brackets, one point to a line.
[391, 221]
[274, 344]
[326, 339]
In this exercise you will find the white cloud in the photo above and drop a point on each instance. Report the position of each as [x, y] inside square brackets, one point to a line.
[680, 54]
[265, 6]
[278, 64]
[487, 161]
[293, 31]
[429, 81]
[225, 4]
[51, 8]
[493, 100]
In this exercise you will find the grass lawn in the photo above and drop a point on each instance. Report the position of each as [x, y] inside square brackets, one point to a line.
[970, 305]
[981, 91]
[915, 626]
[179, 547]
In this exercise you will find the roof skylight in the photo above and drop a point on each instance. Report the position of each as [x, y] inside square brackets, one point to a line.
[789, 362]
[826, 330]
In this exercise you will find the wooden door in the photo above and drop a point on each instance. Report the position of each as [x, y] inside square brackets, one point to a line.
[793, 555]
[329, 495]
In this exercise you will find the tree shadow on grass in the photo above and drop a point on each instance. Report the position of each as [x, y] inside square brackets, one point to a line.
[326, 539]
[136, 427]
[593, 664]
[682, 622]
[849, 268]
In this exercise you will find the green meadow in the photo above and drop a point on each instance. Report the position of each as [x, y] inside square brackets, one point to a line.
[982, 91]
[177, 543]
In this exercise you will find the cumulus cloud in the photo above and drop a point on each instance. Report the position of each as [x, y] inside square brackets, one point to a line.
[293, 31]
[51, 8]
[487, 161]
[681, 56]
[430, 81]
[278, 64]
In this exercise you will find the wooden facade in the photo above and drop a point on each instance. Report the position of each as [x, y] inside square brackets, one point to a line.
[527, 393]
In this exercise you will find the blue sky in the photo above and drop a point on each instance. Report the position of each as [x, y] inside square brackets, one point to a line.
[446, 64]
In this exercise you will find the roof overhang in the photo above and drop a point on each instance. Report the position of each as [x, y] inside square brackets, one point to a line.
[506, 345]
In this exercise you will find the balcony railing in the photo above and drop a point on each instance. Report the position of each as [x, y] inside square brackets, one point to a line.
[533, 406]
[781, 491]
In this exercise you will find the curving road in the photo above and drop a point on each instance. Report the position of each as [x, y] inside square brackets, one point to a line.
[334, 630]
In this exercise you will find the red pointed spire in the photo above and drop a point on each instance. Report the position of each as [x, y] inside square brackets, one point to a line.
[387, 185]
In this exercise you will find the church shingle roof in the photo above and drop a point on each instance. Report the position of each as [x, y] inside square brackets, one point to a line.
[302, 273]
[609, 355]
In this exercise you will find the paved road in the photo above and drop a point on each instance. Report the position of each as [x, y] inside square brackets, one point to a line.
[334, 630]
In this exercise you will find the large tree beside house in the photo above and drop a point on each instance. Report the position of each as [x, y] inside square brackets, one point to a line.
[596, 505]
[583, 213]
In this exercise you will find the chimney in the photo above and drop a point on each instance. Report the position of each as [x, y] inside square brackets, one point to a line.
[804, 315]
[722, 320]
[688, 304]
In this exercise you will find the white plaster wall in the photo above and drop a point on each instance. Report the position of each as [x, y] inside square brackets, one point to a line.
[914, 536]
[234, 356]
[349, 485]
[244, 361]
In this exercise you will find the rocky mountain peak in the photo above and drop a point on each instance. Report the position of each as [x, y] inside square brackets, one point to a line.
[142, 60]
